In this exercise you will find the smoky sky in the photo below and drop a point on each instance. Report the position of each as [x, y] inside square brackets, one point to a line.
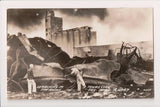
[112, 25]
[25, 18]
[101, 13]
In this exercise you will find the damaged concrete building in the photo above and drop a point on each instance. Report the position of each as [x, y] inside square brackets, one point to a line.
[70, 38]
[81, 41]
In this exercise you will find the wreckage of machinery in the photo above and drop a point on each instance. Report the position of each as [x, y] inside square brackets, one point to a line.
[52, 66]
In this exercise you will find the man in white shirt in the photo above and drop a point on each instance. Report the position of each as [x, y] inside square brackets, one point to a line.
[30, 80]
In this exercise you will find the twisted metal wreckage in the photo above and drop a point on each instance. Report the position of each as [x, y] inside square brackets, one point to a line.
[52, 66]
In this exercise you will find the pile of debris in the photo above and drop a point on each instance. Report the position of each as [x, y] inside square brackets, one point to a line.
[54, 67]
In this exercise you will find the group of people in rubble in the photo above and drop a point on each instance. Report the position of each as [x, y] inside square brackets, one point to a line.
[32, 84]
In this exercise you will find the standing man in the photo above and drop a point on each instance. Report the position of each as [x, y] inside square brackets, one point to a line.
[30, 80]
[80, 81]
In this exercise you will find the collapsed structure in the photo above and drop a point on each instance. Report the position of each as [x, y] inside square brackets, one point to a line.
[56, 66]
[51, 66]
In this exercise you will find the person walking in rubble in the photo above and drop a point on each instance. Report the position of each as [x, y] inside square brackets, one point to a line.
[80, 81]
[30, 79]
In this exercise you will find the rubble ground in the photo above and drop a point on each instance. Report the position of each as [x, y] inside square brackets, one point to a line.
[93, 92]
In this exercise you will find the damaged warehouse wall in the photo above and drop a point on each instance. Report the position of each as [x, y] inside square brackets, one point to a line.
[146, 50]
[70, 38]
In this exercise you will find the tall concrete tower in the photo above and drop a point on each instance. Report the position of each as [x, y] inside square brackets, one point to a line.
[53, 24]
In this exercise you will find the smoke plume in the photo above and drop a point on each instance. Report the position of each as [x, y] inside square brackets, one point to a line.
[25, 18]
[113, 25]
[101, 13]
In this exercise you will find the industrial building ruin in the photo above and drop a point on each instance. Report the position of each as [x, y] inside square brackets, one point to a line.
[70, 38]
[81, 41]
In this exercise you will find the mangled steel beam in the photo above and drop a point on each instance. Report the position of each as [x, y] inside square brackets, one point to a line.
[31, 50]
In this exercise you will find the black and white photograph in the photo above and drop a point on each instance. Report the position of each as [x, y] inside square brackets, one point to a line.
[80, 53]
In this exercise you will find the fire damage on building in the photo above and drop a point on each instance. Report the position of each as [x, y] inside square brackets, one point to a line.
[125, 74]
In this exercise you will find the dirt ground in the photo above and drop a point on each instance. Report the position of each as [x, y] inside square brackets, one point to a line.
[91, 92]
